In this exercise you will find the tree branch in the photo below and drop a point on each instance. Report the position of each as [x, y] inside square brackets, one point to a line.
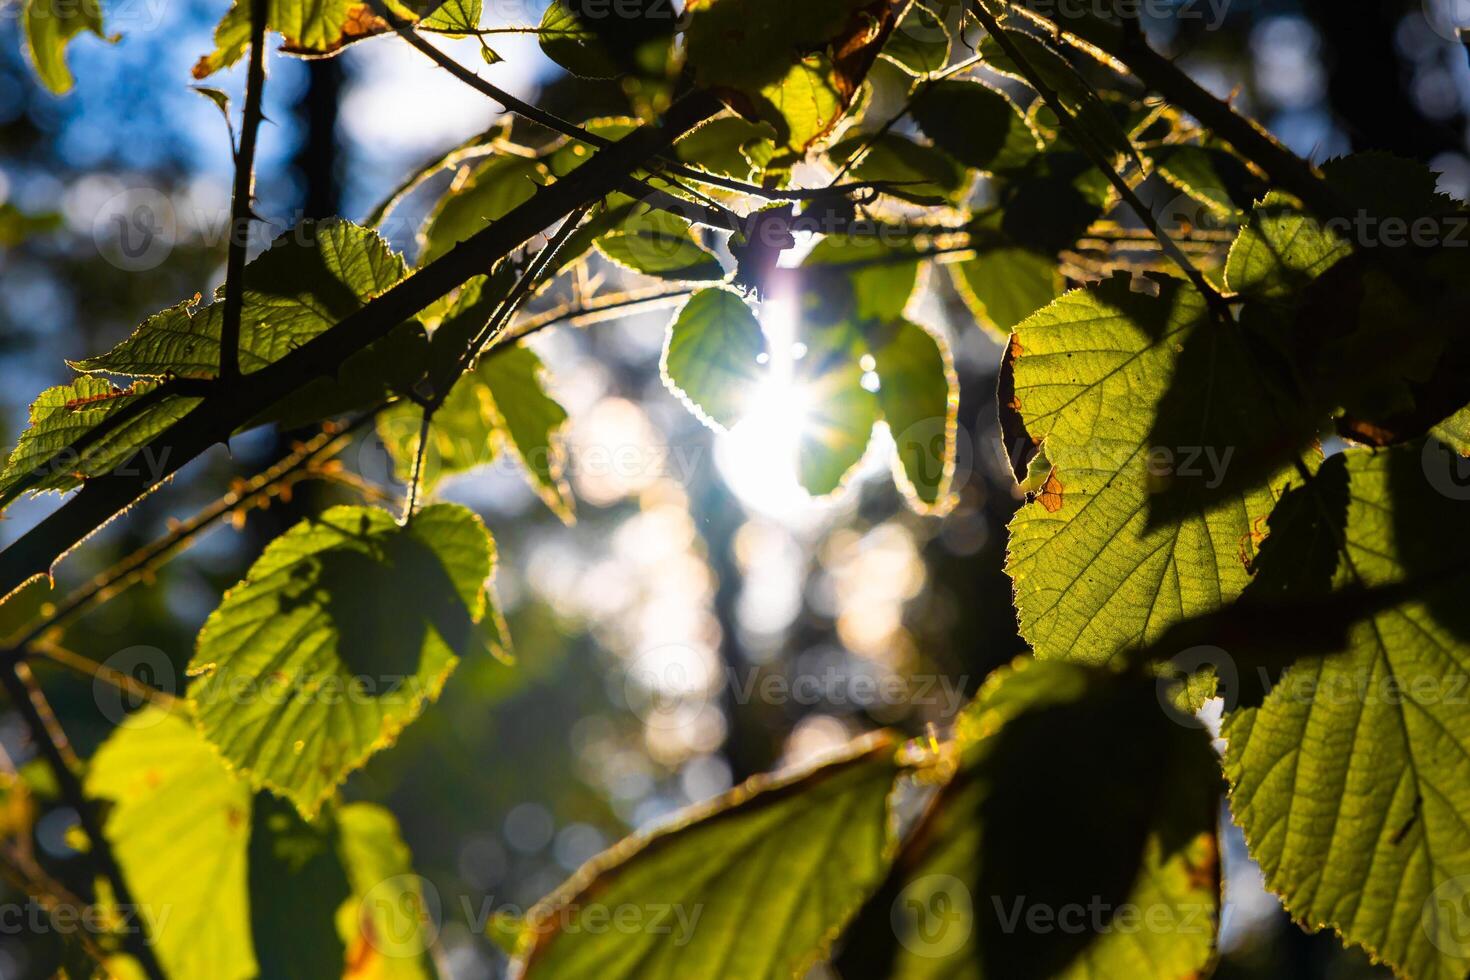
[1206, 289]
[216, 418]
[1248, 137]
[15, 678]
[240, 210]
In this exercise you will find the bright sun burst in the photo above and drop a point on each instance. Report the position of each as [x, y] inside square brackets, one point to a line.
[758, 457]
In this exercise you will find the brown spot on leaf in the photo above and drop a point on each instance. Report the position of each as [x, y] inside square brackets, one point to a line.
[1051, 492]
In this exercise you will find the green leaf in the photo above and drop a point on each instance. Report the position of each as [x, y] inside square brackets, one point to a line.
[659, 244]
[568, 42]
[840, 413]
[63, 415]
[49, 26]
[799, 66]
[787, 859]
[920, 42]
[858, 277]
[310, 28]
[1001, 878]
[1280, 250]
[1455, 432]
[919, 395]
[919, 173]
[1004, 284]
[310, 278]
[302, 673]
[456, 18]
[712, 359]
[529, 422]
[1094, 119]
[478, 197]
[384, 927]
[178, 826]
[728, 145]
[1352, 779]
[1093, 573]
[461, 435]
[1215, 177]
[977, 125]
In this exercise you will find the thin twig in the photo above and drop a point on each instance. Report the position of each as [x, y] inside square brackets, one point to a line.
[1284, 168]
[212, 421]
[14, 678]
[1064, 116]
[139, 564]
[240, 209]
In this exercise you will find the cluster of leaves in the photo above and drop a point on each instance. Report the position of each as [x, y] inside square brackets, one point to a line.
[1348, 768]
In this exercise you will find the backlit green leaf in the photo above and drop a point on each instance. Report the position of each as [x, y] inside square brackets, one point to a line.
[1352, 779]
[44, 458]
[1001, 878]
[840, 412]
[50, 25]
[789, 859]
[712, 356]
[659, 244]
[919, 396]
[302, 673]
[179, 825]
[1093, 573]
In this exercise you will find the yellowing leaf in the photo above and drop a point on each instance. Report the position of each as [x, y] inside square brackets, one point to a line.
[179, 825]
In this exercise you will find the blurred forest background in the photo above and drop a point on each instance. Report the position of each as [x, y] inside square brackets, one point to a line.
[697, 569]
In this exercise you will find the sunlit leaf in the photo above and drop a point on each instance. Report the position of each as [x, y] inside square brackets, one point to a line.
[859, 277]
[840, 411]
[798, 67]
[50, 26]
[789, 859]
[919, 396]
[303, 672]
[1001, 879]
[918, 173]
[178, 825]
[659, 244]
[920, 42]
[479, 195]
[1004, 284]
[44, 459]
[529, 422]
[1352, 779]
[1093, 573]
[712, 356]
[311, 278]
